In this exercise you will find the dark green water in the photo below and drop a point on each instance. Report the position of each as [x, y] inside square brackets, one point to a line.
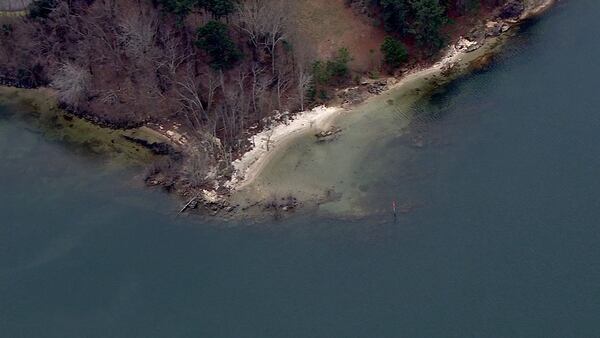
[503, 240]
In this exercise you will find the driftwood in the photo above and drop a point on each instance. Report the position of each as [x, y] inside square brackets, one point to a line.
[328, 135]
[185, 207]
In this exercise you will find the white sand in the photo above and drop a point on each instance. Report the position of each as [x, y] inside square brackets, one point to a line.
[247, 168]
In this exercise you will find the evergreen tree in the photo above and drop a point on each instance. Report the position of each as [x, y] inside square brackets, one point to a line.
[394, 52]
[218, 8]
[429, 17]
[214, 39]
[394, 15]
[181, 8]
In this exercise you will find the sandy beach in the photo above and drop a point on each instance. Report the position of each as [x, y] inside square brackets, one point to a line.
[274, 139]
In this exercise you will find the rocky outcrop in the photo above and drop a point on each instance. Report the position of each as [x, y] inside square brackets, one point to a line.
[367, 88]
[495, 28]
[377, 87]
[466, 45]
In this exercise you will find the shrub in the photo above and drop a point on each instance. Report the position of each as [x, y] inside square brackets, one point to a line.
[328, 73]
[394, 52]
[336, 69]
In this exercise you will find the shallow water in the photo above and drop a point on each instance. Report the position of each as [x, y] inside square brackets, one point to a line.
[339, 174]
[502, 239]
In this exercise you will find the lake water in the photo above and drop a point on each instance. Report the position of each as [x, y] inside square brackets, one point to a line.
[502, 238]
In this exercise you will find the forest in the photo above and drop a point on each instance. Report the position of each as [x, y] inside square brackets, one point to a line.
[219, 68]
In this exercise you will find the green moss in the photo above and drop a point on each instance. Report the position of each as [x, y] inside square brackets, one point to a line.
[40, 110]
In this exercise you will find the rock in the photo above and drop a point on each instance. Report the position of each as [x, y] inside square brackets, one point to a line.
[352, 95]
[477, 34]
[210, 196]
[377, 87]
[152, 182]
[466, 45]
[328, 135]
[493, 28]
[212, 200]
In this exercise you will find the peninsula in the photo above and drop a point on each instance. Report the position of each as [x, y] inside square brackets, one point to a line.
[214, 89]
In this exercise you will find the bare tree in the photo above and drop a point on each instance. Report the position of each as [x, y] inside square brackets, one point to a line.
[174, 52]
[137, 32]
[265, 21]
[196, 106]
[97, 26]
[283, 81]
[195, 171]
[276, 28]
[72, 83]
[304, 55]
[253, 19]
[235, 108]
[267, 138]
[303, 80]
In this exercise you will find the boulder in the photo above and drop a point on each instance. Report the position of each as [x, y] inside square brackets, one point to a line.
[377, 87]
[493, 28]
[466, 45]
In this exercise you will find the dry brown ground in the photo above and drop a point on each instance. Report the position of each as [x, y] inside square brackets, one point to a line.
[330, 25]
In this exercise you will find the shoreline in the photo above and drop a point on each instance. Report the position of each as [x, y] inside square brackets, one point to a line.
[457, 59]
[460, 58]
[252, 163]
[269, 141]
[39, 108]
[463, 53]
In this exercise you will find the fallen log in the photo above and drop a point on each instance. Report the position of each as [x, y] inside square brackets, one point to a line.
[185, 207]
